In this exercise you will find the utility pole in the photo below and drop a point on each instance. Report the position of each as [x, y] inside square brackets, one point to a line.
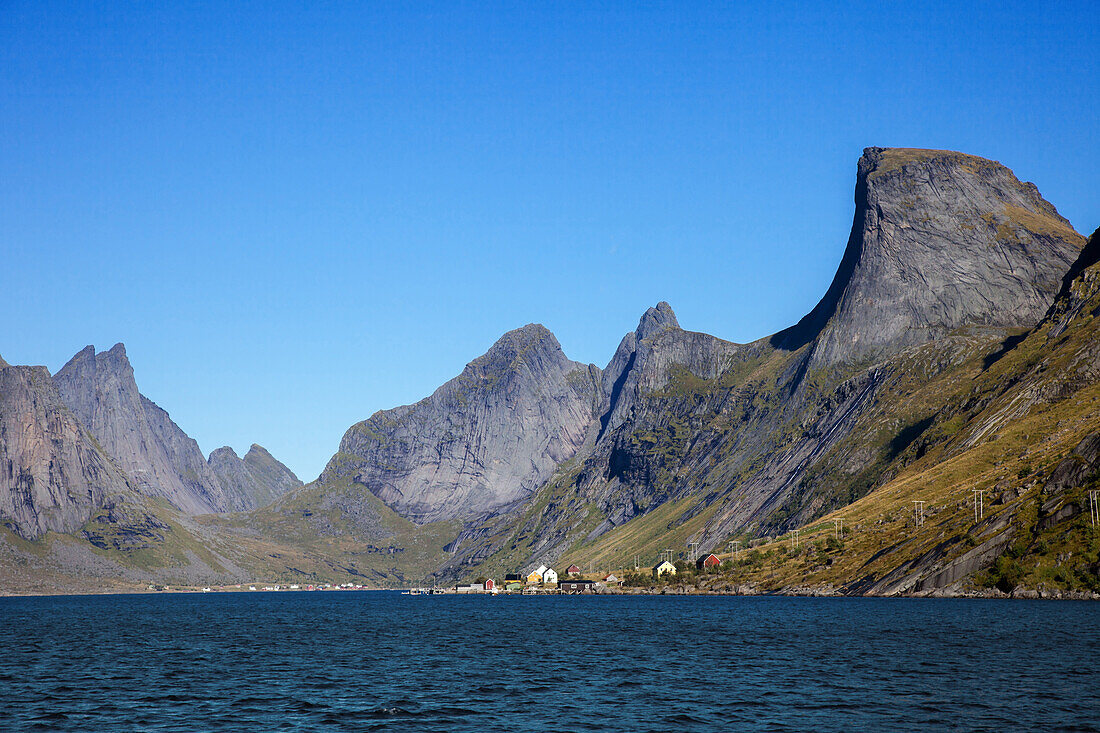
[918, 513]
[1094, 507]
[794, 539]
[694, 551]
[838, 527]
[979, 505]
[736, 545]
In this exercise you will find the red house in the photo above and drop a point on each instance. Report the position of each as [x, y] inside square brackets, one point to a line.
[572, 570]
[490, 584]
[710, 561]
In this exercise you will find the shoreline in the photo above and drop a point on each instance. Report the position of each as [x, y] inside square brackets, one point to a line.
[1019, 594]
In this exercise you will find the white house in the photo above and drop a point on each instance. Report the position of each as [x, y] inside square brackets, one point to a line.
[549, 577]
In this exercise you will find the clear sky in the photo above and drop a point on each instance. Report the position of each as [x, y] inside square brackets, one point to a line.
[295, 215]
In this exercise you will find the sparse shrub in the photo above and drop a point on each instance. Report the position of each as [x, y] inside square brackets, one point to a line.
[1006, 573]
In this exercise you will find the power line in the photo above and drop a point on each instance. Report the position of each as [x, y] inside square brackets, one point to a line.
[979, 505]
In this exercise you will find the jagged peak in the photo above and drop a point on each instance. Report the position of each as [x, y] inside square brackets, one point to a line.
[530, 332]
[655, 320]
[84, 355]
[258, 450]
[224, 452]
[115, 356]
[514, 344]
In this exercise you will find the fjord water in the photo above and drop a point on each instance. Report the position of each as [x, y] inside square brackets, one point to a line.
[362, 661]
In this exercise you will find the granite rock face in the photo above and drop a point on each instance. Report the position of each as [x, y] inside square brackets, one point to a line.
[940, 240]
[483, 440]
[52, 474]
[253, 481]
[160, 458]
[644, 358]
[948, 254]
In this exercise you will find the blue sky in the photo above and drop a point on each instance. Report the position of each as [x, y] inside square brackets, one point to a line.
[295, 215]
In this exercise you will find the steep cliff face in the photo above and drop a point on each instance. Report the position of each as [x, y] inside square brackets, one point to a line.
[948, 255]
[940, 240]
[253, 481]
[152, 450]
[52, 474]
[485, 439]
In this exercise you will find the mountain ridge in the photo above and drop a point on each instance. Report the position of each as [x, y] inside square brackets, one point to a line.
[523, 399]
[960, 318]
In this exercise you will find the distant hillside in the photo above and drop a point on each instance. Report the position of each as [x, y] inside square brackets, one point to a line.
[956, 349]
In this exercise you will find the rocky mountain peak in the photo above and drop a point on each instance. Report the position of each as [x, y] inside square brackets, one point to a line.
[3, 363]
[223, 453]
[160, 458]
[655, 320]
[258, 450]
[254, 481]
[940, 240]
[484, 439]
[54, 476]
[645, 356]
[515, 344]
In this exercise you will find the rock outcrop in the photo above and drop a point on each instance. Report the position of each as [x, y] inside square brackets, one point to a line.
[646, 357]
[483, 440]
[253, 481]
[940, 240]
[949, 253]
[1079, 287]
[160, 458]
[53, 476]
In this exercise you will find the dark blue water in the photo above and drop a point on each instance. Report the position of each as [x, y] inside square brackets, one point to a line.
[382, 661]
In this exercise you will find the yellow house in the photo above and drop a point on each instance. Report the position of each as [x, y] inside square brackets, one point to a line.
[664, 568]
[537, 576]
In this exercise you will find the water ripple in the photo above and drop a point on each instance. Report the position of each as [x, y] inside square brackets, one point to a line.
[385, 662]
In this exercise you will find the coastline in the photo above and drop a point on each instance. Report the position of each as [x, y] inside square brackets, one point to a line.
[1045, 594]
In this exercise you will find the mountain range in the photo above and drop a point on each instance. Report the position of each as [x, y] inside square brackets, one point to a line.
[954, 350]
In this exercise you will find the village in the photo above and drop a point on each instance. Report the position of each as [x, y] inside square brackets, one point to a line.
[542, 580]
[545, 580]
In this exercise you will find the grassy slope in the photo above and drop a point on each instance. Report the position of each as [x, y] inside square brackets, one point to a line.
[1002, 428]
[142, 541]
[751, 385]
[309, 535]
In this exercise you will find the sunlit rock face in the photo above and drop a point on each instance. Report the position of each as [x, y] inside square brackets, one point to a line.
[483, 440]
[940, 240]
